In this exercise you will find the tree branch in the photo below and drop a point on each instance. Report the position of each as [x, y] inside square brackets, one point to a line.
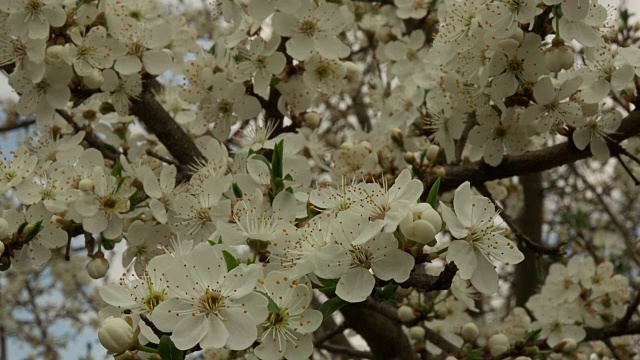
[160, 123]
[22, 124]
[539, 248]
[431, 283]
[89, 136]
[530, 162]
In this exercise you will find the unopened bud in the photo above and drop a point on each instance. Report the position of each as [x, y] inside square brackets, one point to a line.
[116, 335]
[98, 266]
[566, 345]
[1, 247]
[346, 145]
[432, 152]
[523, 358]
[439, 171]
[410, 158]
[352, 69]
[470, 332]
[55, 54]
[4, 229]
[498, 344]
[86, 185]
[312, 119]
[94, 80]
[406, 314]
[417, 333]
[559, 56]
[398, 137]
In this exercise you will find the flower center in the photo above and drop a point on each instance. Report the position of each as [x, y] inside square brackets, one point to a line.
[308, 27]
[154, 299]
[515, 66]
[276, 320]
[35, 5]
[109, 203]
[225, 107]
[211, 302]
[500, 132]
[362, 256]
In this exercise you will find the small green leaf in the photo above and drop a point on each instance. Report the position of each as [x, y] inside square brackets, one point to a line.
[386, 292]
[117, 170]
[330, 306]
[237, 192]
[329, 285]
[167, 350]
[276, 161]
[432, 198]
[272, 306]
[531, 336]
[231, 260]
[136, 198]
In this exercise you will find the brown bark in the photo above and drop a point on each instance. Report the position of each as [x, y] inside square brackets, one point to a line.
[530, 223]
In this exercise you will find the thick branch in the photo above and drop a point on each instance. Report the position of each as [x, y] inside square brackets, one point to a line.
[160, 123]
[431, 283]
[531, 162]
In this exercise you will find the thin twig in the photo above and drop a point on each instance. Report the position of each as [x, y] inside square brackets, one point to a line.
[151, 325]
[616, 353]
[358, 354]
[89, 136]
[615, 218]
[630, 310]
[22, 124]
[329, 334]
[539, 248]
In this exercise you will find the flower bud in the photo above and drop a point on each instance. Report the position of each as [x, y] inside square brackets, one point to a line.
[439, 171]
[312, 119]
[558, 56]
[55, 53]
[406, 314]
[346, 145]
[498, 344]
[566, 345]
[1, 247]
[432, 152]
[4, 229]
[86, 185]
[116, 335]
[469, 332]
[398, 137]
[409, 157]
[417, 333]
[94, 80]
[421, 224]
[523, 358]
[98, 266]
[451, 358]
[352, 69]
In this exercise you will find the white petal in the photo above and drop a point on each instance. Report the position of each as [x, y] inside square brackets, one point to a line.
[464, 256]
[395, 264]
[485, 277]
[355, 285]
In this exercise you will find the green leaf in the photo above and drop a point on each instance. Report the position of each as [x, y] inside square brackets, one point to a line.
[167, 350]
[231, 260]
[272, 306]
[330, 306]
[531, 336]
[277, 159]
[329, 285]
[432, 198]
[386, 292]
[117, 170]
[136, 198]
[237, 192]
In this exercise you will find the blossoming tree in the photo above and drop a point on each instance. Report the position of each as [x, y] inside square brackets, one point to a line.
[272, 173]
